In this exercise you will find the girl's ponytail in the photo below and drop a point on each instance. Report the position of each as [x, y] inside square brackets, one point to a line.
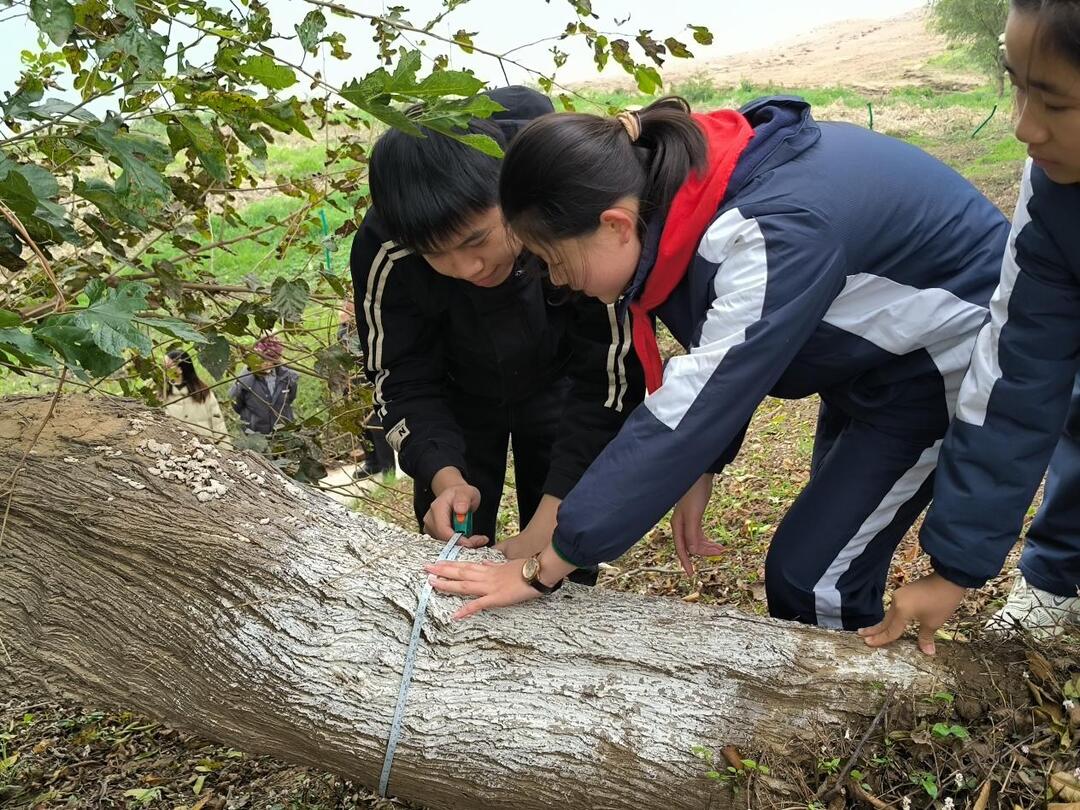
[564, 170]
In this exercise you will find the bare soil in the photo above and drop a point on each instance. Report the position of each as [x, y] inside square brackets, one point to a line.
[868, 55]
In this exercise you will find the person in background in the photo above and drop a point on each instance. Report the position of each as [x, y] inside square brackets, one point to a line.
[1019, 408]
[190, 400]
[264, 396]
[378, 454]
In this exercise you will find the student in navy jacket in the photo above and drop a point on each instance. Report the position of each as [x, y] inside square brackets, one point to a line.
[791, 258]
[1021, 398]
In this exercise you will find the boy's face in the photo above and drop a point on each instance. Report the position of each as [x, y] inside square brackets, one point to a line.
[482, 253]
[1047, 99]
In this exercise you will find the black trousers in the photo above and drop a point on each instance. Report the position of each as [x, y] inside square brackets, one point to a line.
[490, 428]
[376, 435]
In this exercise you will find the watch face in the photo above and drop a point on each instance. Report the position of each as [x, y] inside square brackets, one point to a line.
[531, 569]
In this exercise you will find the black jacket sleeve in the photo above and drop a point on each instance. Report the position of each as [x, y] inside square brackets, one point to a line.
[607, 383]
[403, 356]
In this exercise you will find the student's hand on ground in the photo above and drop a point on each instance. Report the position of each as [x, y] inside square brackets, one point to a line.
[494, 584]
[457, 499]
[686, 525]
[929, 601]
[524, 545]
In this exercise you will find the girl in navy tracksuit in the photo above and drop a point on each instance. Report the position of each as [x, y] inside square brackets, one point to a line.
[791, 258]
[1021, 399]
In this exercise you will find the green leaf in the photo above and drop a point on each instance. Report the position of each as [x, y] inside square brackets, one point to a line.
[204, 142]
[334, 360]
[50, 224]
[127, 8]
[26, 348]
[142, 48]
[290, 298]
[173, 327]
[104, 197]
[16, 192]
[268, 72]
[404, 76]
[143, 795]
[677, 49]
[336, 284]
[56, 109]
[702, 35]
[111, 317]
[389, 115]
[9, 319]
[285, 116]
[41, 181]
[448, 83]
[309, 30]
[10, 248]
[78, 348]
[142, 159]
[648, 79]
[483, 143]
[55, 18]
[464, 40]
[215, 356]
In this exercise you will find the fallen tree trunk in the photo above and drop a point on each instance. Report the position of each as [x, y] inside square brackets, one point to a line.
[141, 569]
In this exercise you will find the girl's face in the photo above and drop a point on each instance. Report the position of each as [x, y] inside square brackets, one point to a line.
[602, 263]
[1047, 99]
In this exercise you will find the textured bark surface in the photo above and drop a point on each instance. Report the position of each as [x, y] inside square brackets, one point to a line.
[272, 619]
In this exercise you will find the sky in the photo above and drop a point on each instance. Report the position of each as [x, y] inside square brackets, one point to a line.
[507, 24]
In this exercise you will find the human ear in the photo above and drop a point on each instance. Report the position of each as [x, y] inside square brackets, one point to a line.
[620, 222]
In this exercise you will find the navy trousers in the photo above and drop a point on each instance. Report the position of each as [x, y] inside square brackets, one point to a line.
[1051, 559]
[871, 477]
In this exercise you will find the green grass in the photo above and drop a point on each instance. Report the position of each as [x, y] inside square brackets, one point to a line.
[983, 98]
[702, 93]
[1006, 150]
[958, 59]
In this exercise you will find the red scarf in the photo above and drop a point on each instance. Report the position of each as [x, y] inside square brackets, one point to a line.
[726, 133]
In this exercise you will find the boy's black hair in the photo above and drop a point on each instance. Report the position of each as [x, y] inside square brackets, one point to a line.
[427, 189]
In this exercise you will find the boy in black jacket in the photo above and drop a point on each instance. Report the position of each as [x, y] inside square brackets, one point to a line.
[471, 351]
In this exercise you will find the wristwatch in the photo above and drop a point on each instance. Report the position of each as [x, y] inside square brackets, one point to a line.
[530, 572]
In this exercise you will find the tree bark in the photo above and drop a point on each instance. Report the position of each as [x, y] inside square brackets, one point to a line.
[271, 619]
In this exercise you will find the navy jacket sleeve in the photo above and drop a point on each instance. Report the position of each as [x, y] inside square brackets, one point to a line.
[403, 358]
[1016, 395]
[607, 383]
[775, 275]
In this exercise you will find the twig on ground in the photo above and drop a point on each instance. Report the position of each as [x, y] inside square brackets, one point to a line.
[855, 789]
[841, 780]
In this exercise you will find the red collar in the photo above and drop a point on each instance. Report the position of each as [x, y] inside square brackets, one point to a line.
[726, 134]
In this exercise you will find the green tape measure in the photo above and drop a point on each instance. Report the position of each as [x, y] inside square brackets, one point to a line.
[463, 523]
